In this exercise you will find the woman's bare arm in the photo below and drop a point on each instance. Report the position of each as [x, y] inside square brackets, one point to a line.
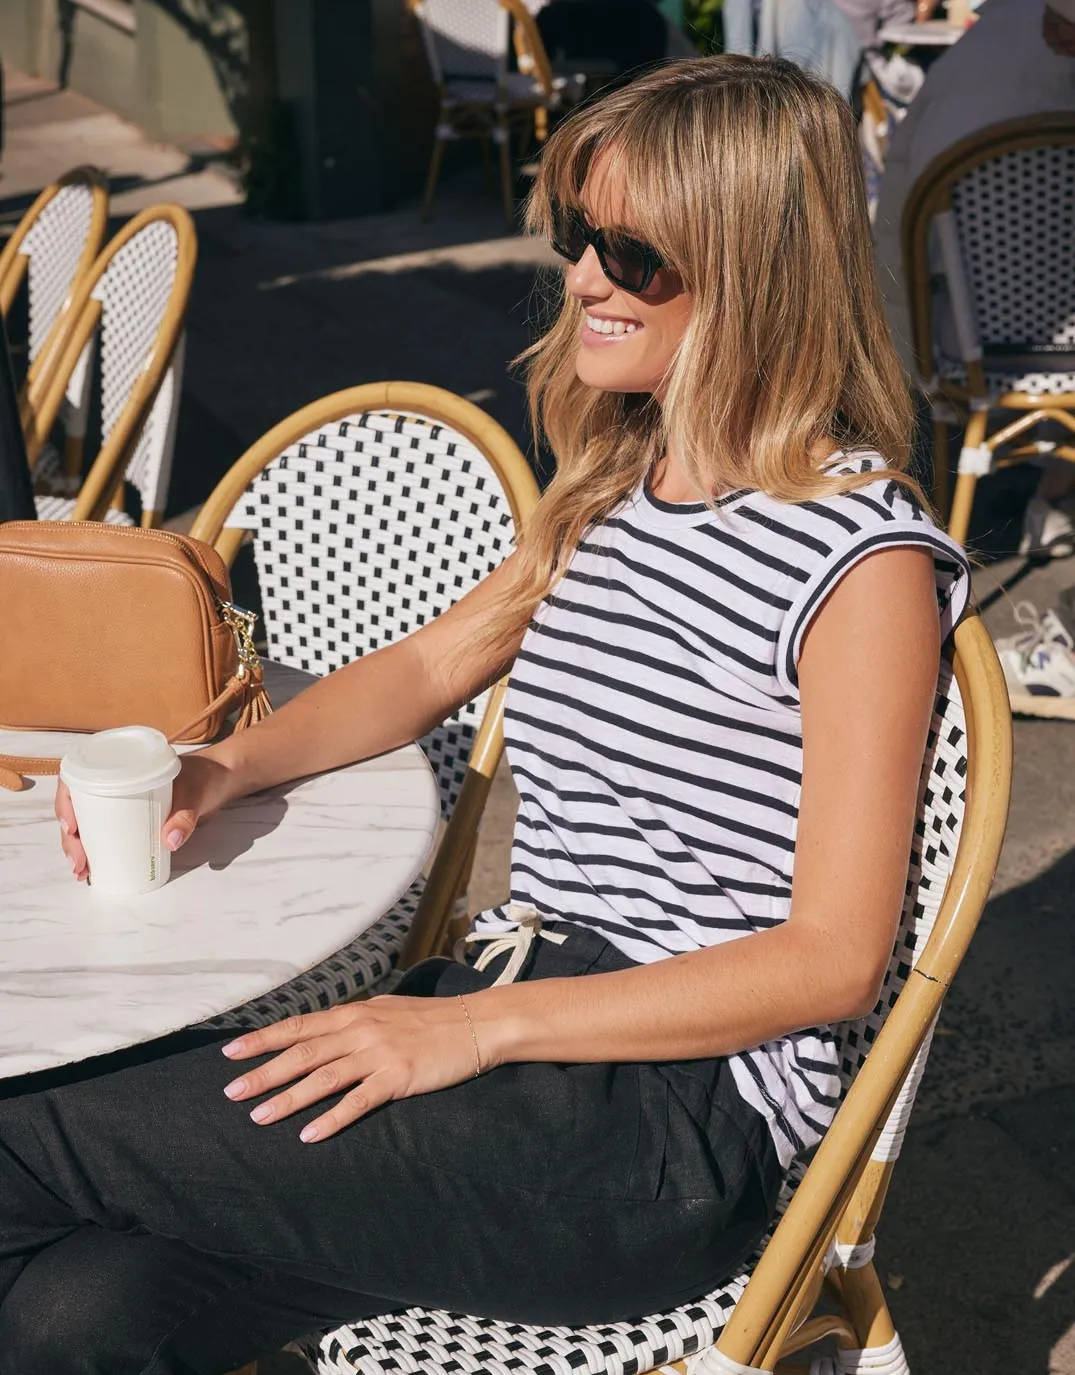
[379, 702]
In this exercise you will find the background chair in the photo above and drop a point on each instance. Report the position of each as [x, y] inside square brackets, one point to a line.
[51, 250]
[989, 261]
[370, 512]
[825, 1234]
[134, 300]
[466, 42]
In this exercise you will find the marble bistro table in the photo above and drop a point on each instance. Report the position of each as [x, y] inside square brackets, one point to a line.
[264, 890]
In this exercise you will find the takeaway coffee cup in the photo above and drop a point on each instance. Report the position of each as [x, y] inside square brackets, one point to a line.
[121, 791]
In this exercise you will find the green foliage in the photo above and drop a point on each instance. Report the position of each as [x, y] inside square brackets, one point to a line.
[702, 21]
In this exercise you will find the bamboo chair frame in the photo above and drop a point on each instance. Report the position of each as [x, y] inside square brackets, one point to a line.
[450, 870]
[844, 1190]
[971, 402]
[15, 264]
[42, 402]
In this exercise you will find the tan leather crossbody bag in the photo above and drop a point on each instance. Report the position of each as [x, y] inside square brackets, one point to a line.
[106, 625]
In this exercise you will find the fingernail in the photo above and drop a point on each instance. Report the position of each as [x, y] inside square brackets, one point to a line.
[262, 1112]
[232, 1048]
[174, 839]
[65, 828]
[236, 1088]
[309, 1133]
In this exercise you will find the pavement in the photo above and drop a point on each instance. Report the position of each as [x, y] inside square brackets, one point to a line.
[977, 1243]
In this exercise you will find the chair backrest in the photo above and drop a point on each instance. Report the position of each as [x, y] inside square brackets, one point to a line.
[530, 53]
[52, 248]
[997, 211]
[963, 810]
[370, 512]
[465, 39]
[134, 299]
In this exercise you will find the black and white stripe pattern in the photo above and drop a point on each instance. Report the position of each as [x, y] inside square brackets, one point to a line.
[654, 735]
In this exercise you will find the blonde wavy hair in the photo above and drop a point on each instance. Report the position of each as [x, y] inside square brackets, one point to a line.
[744, 174]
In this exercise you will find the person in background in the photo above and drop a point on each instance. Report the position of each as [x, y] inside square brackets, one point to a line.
[814, 34]
[1017, 61]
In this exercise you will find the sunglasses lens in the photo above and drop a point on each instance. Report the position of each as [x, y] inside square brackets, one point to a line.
[626, 261]
[568, 233]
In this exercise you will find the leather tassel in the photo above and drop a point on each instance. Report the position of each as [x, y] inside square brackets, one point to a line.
[256, 708]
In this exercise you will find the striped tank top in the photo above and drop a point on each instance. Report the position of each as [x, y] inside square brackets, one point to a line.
[654, 735]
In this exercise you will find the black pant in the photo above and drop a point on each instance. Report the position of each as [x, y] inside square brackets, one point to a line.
[146, 1225]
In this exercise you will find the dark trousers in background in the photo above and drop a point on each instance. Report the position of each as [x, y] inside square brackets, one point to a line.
[147, 1227]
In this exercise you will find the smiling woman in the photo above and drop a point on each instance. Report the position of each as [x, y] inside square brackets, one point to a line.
[723, 626]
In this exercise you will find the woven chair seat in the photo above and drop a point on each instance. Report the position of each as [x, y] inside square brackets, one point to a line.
[418, 1341]
[359, 969]
[998, 381]
[60, 508]
[515, 88]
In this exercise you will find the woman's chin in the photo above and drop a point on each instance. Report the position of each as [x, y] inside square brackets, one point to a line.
[603, 374]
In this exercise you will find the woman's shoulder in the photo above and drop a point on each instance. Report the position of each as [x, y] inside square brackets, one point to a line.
[821, 526]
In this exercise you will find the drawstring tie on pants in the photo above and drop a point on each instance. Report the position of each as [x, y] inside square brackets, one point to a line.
[518, 941]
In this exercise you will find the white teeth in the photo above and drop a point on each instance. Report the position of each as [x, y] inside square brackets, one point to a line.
[617, 327]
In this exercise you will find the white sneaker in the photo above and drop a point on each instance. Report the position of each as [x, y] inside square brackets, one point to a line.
[1047, 531]
[1039, 664]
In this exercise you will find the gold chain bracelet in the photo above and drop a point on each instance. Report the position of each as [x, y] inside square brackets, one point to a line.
[473, 1037]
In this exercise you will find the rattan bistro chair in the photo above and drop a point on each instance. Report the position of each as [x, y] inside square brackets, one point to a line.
[134, 299]
[989, 223]
[825, 1235]
[371, 511]
[51, 250]
[466, 42]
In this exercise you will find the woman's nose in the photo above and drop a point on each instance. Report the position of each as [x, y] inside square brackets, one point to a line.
[585, 279]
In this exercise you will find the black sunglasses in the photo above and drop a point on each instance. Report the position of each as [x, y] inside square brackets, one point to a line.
[628, 263]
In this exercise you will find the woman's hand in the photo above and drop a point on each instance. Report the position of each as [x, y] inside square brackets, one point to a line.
[202, 787]
[371, 1052]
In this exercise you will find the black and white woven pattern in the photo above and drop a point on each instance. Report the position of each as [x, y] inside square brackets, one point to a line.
[1015, 216]
[363, 531]
[418, 1341]
[53, 246]
[134, 292]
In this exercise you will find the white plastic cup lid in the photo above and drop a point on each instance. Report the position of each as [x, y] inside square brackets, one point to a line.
[120, 763]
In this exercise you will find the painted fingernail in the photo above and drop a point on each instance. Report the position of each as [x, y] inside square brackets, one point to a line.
[262, 1112]
[174, 839]
[232, 1048]
[309, 1133]
[236, 1089]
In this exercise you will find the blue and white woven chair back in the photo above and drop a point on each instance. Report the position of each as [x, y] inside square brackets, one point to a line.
[365, 530]
[420, 1341]
[1013, 217]
[466, 42]
[135, 291]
